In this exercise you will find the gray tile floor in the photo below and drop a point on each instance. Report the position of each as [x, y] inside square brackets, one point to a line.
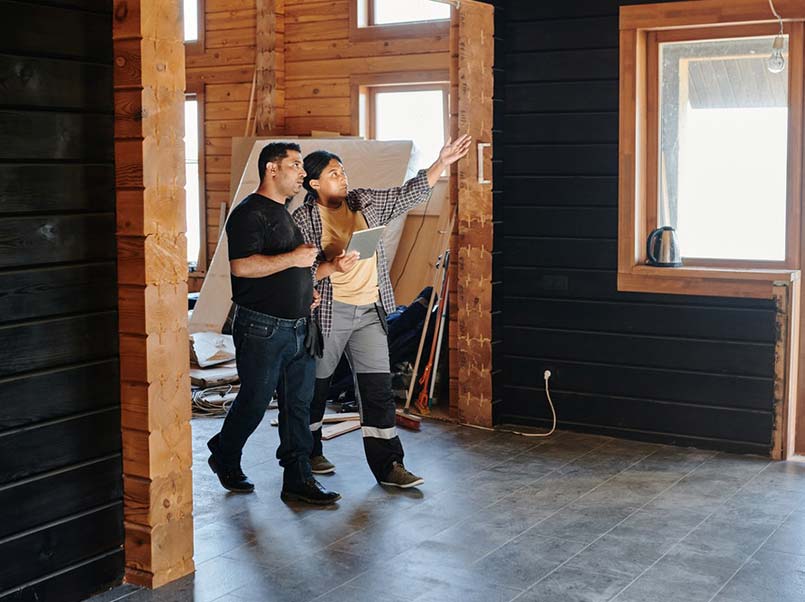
[570, 518]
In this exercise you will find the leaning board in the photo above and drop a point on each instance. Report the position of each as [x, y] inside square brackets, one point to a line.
[369, 164]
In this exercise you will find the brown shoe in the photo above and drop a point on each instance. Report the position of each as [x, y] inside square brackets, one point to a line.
[321, 465]
[398, 476]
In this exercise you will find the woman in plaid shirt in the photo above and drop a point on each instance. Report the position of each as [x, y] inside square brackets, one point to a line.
[356, 296]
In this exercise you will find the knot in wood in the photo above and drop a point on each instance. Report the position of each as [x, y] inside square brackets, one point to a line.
[121, 11]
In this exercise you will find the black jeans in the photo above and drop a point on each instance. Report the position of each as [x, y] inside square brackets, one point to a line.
[271, 354]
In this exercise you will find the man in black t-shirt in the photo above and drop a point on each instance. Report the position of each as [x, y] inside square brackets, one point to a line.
[273, 294]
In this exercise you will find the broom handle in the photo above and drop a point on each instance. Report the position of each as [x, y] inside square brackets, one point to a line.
[440, 327]
[445, 237]
[439, 306]
[251, 103]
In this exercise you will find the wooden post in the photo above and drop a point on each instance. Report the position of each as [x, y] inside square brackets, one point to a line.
[270, 67]
[475, 230]
[786, 296]
[149, 83]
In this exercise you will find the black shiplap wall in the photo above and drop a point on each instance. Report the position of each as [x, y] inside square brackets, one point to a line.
[61, 529]
[689, 370]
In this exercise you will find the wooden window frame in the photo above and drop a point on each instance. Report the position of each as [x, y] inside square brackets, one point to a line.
[364, 84]
[642, 28]
[197, 91]
[362, 29]
[198, 46]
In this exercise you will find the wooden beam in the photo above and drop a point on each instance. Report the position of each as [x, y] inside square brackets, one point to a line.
[695, 13]
[270, 62]
[475, 228]
[149, 83]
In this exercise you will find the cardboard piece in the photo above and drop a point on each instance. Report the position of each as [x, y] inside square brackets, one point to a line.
[370, 164]
[211, 348]
[223, 374]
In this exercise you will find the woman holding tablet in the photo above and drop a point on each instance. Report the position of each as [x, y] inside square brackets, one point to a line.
[356, 294]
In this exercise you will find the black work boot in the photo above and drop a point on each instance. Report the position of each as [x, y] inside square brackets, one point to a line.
[231, 477]
[310, 492]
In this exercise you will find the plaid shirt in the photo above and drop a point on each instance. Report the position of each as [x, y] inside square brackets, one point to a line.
[379, 207]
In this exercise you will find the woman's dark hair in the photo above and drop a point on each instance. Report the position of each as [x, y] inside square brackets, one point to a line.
[315, 163]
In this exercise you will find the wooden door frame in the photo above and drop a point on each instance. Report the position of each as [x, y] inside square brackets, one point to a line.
[149, 88]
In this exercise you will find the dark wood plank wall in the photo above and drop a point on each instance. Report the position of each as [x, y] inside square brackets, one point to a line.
[60, 463]
[688, 370]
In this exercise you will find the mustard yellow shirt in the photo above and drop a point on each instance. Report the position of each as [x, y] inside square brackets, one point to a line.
[359, 285]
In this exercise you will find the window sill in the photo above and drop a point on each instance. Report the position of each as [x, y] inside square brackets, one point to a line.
[717, 282]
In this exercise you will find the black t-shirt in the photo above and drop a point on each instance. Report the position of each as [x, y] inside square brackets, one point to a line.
[261, 226]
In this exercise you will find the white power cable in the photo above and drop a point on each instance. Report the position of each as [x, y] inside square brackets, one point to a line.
[547, 377]
[776, 14]
[214, 401]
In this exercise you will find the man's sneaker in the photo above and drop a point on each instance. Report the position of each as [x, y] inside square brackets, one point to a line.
[310, 492]
[398, 476]
[321, 465]
[231, 479]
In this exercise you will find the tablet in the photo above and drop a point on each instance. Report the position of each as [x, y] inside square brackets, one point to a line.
[365, 241]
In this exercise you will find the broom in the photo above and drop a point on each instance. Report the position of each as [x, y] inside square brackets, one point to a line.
[423, 402]
[404, 416]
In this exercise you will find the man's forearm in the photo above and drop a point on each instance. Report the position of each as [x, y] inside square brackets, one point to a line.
[435, 172]
[260, 266]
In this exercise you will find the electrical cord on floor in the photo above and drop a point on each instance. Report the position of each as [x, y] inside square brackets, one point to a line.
[547, 377]
[214, 401]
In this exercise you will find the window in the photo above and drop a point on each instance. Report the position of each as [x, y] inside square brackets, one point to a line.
[417, 113]
[195, 260]
[385, 12]
[710, 144]
[372, 20]
[193, 23]
[190, 20]
[723, 142]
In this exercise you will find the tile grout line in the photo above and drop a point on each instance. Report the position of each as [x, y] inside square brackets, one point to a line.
[538, 523]
[602, 444]
[640, 508]
[705, 519]
[621, 521]
[752, 555]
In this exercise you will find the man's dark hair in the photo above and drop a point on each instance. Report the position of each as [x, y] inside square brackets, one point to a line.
[274, 153]
[315, 163]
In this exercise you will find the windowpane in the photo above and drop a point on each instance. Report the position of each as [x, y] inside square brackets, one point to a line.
[396, 11]
[192, 200]
[413, 115]
[190, 20]
[723, 148]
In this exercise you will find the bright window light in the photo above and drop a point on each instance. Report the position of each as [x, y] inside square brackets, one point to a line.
[408, 11]
[412, 115]
[723, 149]
[192, 200]
[190, 20]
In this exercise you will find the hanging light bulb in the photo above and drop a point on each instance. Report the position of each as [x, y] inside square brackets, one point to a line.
[776, 62]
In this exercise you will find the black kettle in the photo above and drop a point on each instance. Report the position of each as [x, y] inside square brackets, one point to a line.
[662, 248]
